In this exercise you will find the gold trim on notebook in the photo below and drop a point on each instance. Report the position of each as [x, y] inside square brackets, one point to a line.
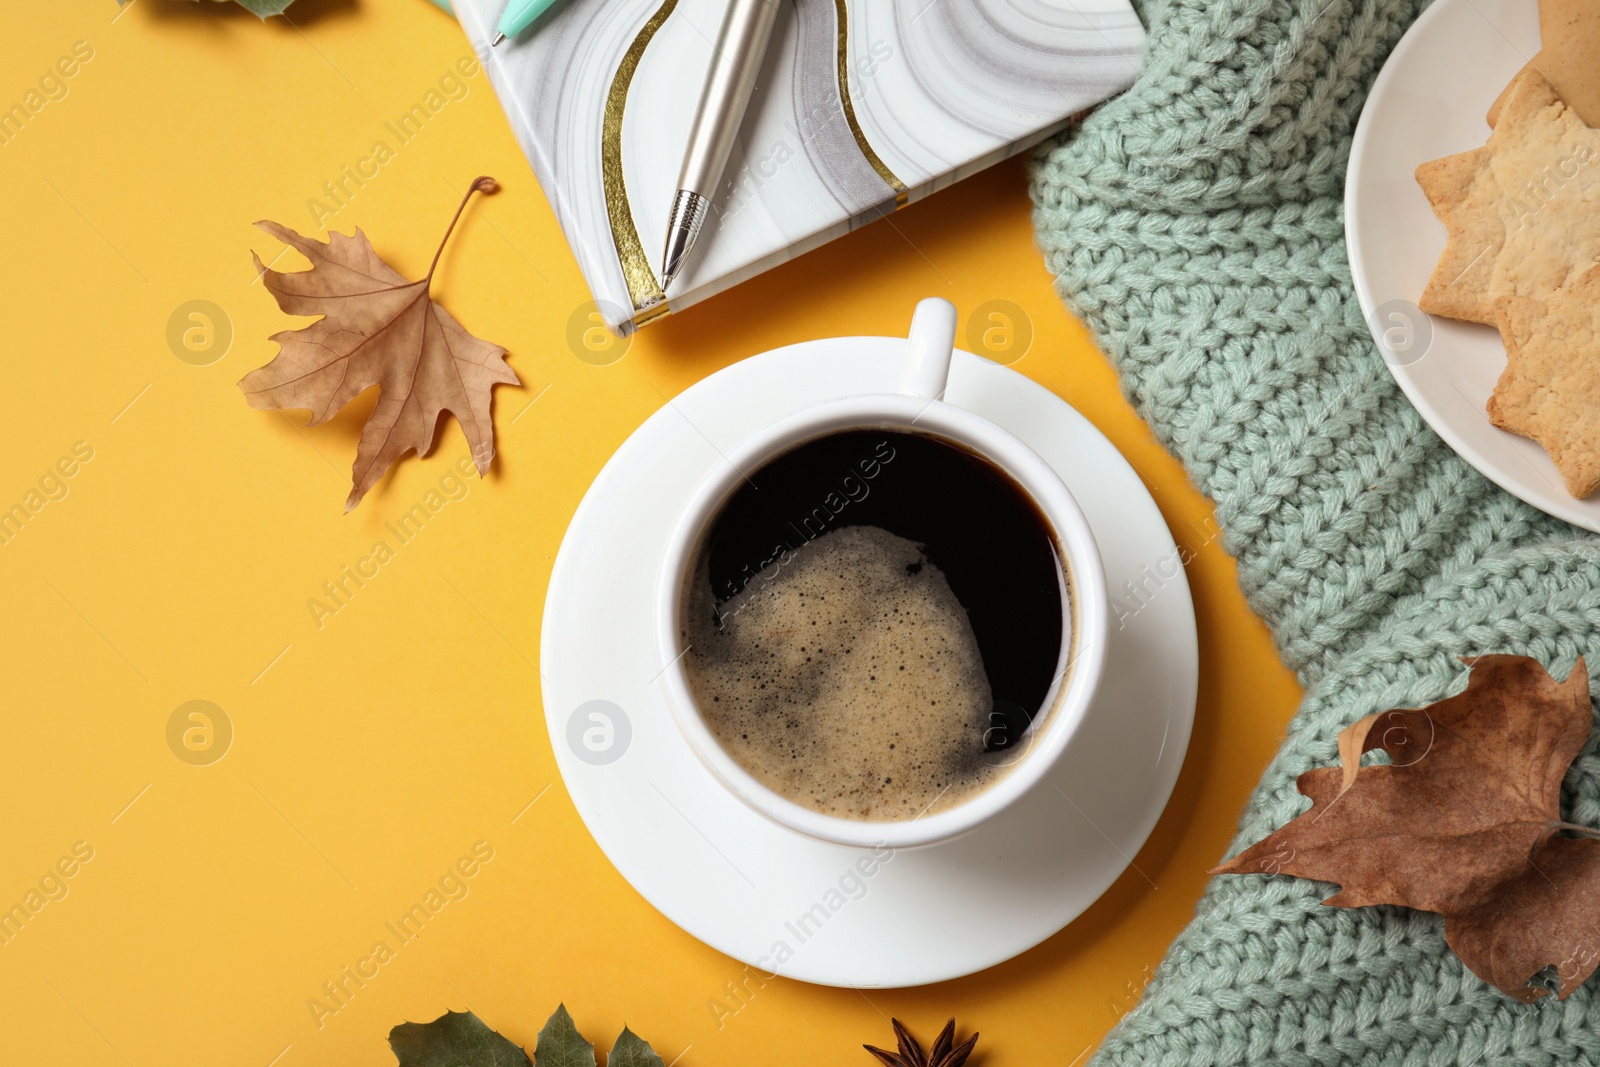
[643, 288]
[842, 17]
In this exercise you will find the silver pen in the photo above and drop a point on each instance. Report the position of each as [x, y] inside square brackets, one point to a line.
[735, 62]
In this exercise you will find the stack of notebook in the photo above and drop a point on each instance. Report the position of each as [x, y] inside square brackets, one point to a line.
[862, 106]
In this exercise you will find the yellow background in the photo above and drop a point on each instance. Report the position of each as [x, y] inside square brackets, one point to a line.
[373, 752]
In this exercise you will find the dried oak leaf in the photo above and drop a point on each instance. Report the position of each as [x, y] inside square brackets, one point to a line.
[377, 329]
[944, 1052]
[1465, 821]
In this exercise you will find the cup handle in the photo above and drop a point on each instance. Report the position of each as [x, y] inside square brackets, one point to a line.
[928, 349]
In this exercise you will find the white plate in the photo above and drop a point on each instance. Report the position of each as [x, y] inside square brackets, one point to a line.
[797, 907]
[1429, 101]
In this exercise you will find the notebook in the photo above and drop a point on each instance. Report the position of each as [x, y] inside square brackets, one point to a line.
[862, 106]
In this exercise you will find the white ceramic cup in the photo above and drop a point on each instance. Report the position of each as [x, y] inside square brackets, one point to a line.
[917, 408]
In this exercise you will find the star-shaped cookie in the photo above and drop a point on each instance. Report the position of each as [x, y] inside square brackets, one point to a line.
[1569, 59]
[1550, 389]
[1522, 212]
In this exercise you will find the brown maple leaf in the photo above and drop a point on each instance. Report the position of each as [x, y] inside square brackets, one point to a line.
[944, 1053]
[377, 329]
[1465, 821]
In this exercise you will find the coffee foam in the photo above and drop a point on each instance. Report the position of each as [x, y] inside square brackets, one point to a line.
[850, 682]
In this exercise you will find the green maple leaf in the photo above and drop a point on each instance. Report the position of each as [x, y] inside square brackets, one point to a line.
[560, 1044]
[263, 8]
[460, 1039]
[631, 1051]
[455, 1039]
[260, 8]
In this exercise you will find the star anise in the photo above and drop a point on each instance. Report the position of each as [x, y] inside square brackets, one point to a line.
[944, 1053]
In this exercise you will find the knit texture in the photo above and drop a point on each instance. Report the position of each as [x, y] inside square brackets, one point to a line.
[1195, 223]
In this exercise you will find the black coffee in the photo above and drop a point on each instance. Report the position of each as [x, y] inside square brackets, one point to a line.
[873, 621]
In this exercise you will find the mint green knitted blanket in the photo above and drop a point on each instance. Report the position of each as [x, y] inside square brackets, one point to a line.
[1195, 224]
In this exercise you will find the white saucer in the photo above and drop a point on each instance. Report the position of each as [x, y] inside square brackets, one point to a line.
[825, 913]
[1429, 101]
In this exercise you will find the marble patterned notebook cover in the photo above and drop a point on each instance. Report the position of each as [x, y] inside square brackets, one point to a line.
[862, 106]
